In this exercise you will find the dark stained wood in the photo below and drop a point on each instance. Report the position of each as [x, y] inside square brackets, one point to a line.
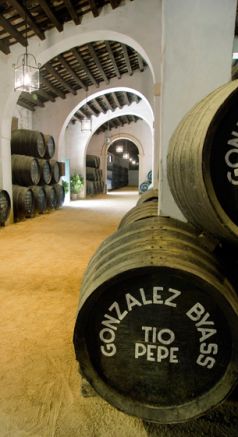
[23, 12]
[112, 58]
[45, 6]
[82, 63]
[54, 73]
[4, 47]
[71, 72]
[114, 3]
[127, 60]
[118, 104]
[52, 88]
[94, 8]
[156, 332]
[12, 30]
[97, 62]
[47, 96]
[73, 14]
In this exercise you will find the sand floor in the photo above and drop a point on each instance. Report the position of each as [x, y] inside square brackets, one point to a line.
[42, 264]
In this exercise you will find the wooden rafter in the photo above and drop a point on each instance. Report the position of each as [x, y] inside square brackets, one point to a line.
[57, 76]
[29, 97]
[42, 93]
[98, 106]
[125, 95]
[128, 65]
[111, 56]
[71, 72]
[27, 105]
[94, 8]
[55, 90]
[84, 66]
[140, 62]
[97, 62]
[109, 106]
[23, 12]
[114, 95]
[4, 47]
[52, 17]
[12, 30]
[73, 14]
[114, 3]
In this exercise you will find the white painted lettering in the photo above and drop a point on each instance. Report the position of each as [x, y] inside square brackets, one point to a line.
[143, 297]
[120, 315]
[166, 333]
[108, 349]
[157, 297]
[132, 301]
[195, 312]
[109, 323]
[169, 300]
[140, 349]
[107, 335]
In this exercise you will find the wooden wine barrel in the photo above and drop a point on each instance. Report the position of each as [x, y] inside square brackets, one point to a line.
[156, 333]
[61, 165]
[25, 170]
[51, 200]
[55, 171]
[45, 171]
[60, 195]
[148, 196]
[203, 163]
[5, 206]
[144, 186]
[28, 142]
[139, 212]
[23, 202]
[92, 161]
[49, 146]
[39, 198]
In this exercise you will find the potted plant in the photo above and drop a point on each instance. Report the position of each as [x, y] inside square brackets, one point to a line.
[76, 183]
[65, 186]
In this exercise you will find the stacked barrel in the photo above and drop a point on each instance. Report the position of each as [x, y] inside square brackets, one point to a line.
[117, 172]
[5, 206]
[146, 185]
[156, 333]
[35, 174]
[94, 177]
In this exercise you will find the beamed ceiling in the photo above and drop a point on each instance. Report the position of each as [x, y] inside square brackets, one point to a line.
[80, 67]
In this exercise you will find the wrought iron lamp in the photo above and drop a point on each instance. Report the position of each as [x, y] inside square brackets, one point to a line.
[27, 71]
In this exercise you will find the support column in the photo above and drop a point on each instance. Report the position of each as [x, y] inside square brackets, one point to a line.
[197, 40]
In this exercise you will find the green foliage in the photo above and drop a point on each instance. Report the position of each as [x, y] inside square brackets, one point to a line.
[76, 183]
[65, 185]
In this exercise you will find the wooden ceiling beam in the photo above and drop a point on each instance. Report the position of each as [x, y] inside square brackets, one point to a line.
[98, 106]
[25, 105]
[23, 12]
[97, 62]
[94, 8]
[128, 65]
[73, 14]
[42, 93]
[106, 100]
[140, 62]
[112, 58]
[114, 3]
[71, 72]
[4, 47]
[114, 95]
[48, 11]
[55, 90]
[89, 107]
[30, 98]
[57, 76]
[84, 66]
[13, 32]
[125, 95]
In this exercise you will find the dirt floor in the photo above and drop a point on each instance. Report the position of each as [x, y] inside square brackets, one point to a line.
[42, 264]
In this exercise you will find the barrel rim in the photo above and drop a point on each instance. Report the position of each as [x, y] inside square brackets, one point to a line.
[162, 414]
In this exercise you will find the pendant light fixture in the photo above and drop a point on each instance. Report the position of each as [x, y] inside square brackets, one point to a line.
[27, 71]
[86, 122]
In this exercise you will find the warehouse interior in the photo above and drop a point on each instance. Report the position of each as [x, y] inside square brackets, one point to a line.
[132, 69]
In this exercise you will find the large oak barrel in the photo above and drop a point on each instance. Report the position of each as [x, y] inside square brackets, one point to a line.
[55, 171]
[156, 333]
[25, 170]
[148, 196]
[60, 195]
[203, 163]
[28, 142]
[139, 212]
[5, 206]
[49, 146]
[45, 171]
[39, 198]
[23, 202]
[51, 200]
[92, 161]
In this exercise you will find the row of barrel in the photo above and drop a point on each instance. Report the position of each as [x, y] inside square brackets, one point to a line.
[117, 172]
[146, 185]
[5, 206]
[94, 177]
[35, 175]
[156, 333]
